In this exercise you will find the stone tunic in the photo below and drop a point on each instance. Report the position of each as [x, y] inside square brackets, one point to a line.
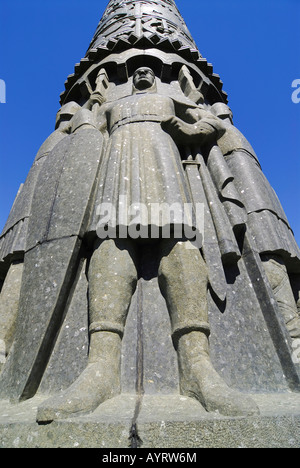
[142, 165]
[267, 223]
[13, 238]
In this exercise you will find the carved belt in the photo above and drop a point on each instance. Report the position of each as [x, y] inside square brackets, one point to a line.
[137, 119]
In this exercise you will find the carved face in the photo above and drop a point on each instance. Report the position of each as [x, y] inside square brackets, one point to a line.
[143, 78]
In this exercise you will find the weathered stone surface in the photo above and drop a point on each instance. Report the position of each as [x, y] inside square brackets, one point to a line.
[168, 422]
[268, 431]
[9, 306]
[70, 353]
[74, 192]
[160, 368]
[37, 325]
[64, 188]
[241, 346]
[22, 205]
[246, 360]
[13, 238]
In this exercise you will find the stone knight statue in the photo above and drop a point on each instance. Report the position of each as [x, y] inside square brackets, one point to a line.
[144, 123]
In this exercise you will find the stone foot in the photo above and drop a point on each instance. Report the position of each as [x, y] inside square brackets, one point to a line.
[95, 385]
[208, 387]
[199, 379]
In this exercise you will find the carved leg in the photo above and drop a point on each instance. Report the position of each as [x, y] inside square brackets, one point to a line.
[9, 305]
[112, 281]
[183, 281]
[279, 280]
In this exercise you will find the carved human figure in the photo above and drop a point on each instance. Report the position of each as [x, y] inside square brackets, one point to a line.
[17, 222]
[142, 163]
[57, 217]
[14, 236]
[271, 234]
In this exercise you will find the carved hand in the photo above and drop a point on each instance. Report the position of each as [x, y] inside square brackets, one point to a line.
[198, 133]
[95, 97]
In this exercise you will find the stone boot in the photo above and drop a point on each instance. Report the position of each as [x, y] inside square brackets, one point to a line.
[279, 280]
[99, 381]
[199, 379]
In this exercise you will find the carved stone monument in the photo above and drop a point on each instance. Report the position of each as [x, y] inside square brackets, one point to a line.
[150, 277]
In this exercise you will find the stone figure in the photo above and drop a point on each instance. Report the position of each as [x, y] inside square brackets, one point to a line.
[139, 148]
[56, 220]
[270, 231]
[13, 239]
[146, 183]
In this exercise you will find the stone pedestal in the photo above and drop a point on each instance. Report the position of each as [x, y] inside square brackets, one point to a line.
[165, 421]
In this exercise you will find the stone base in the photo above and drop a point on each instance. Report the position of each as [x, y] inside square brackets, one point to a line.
[165, 421]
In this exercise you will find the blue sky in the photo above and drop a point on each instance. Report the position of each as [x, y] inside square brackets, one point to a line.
[253, 45]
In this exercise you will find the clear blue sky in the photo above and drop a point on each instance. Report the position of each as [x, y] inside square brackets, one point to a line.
[253, 45]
